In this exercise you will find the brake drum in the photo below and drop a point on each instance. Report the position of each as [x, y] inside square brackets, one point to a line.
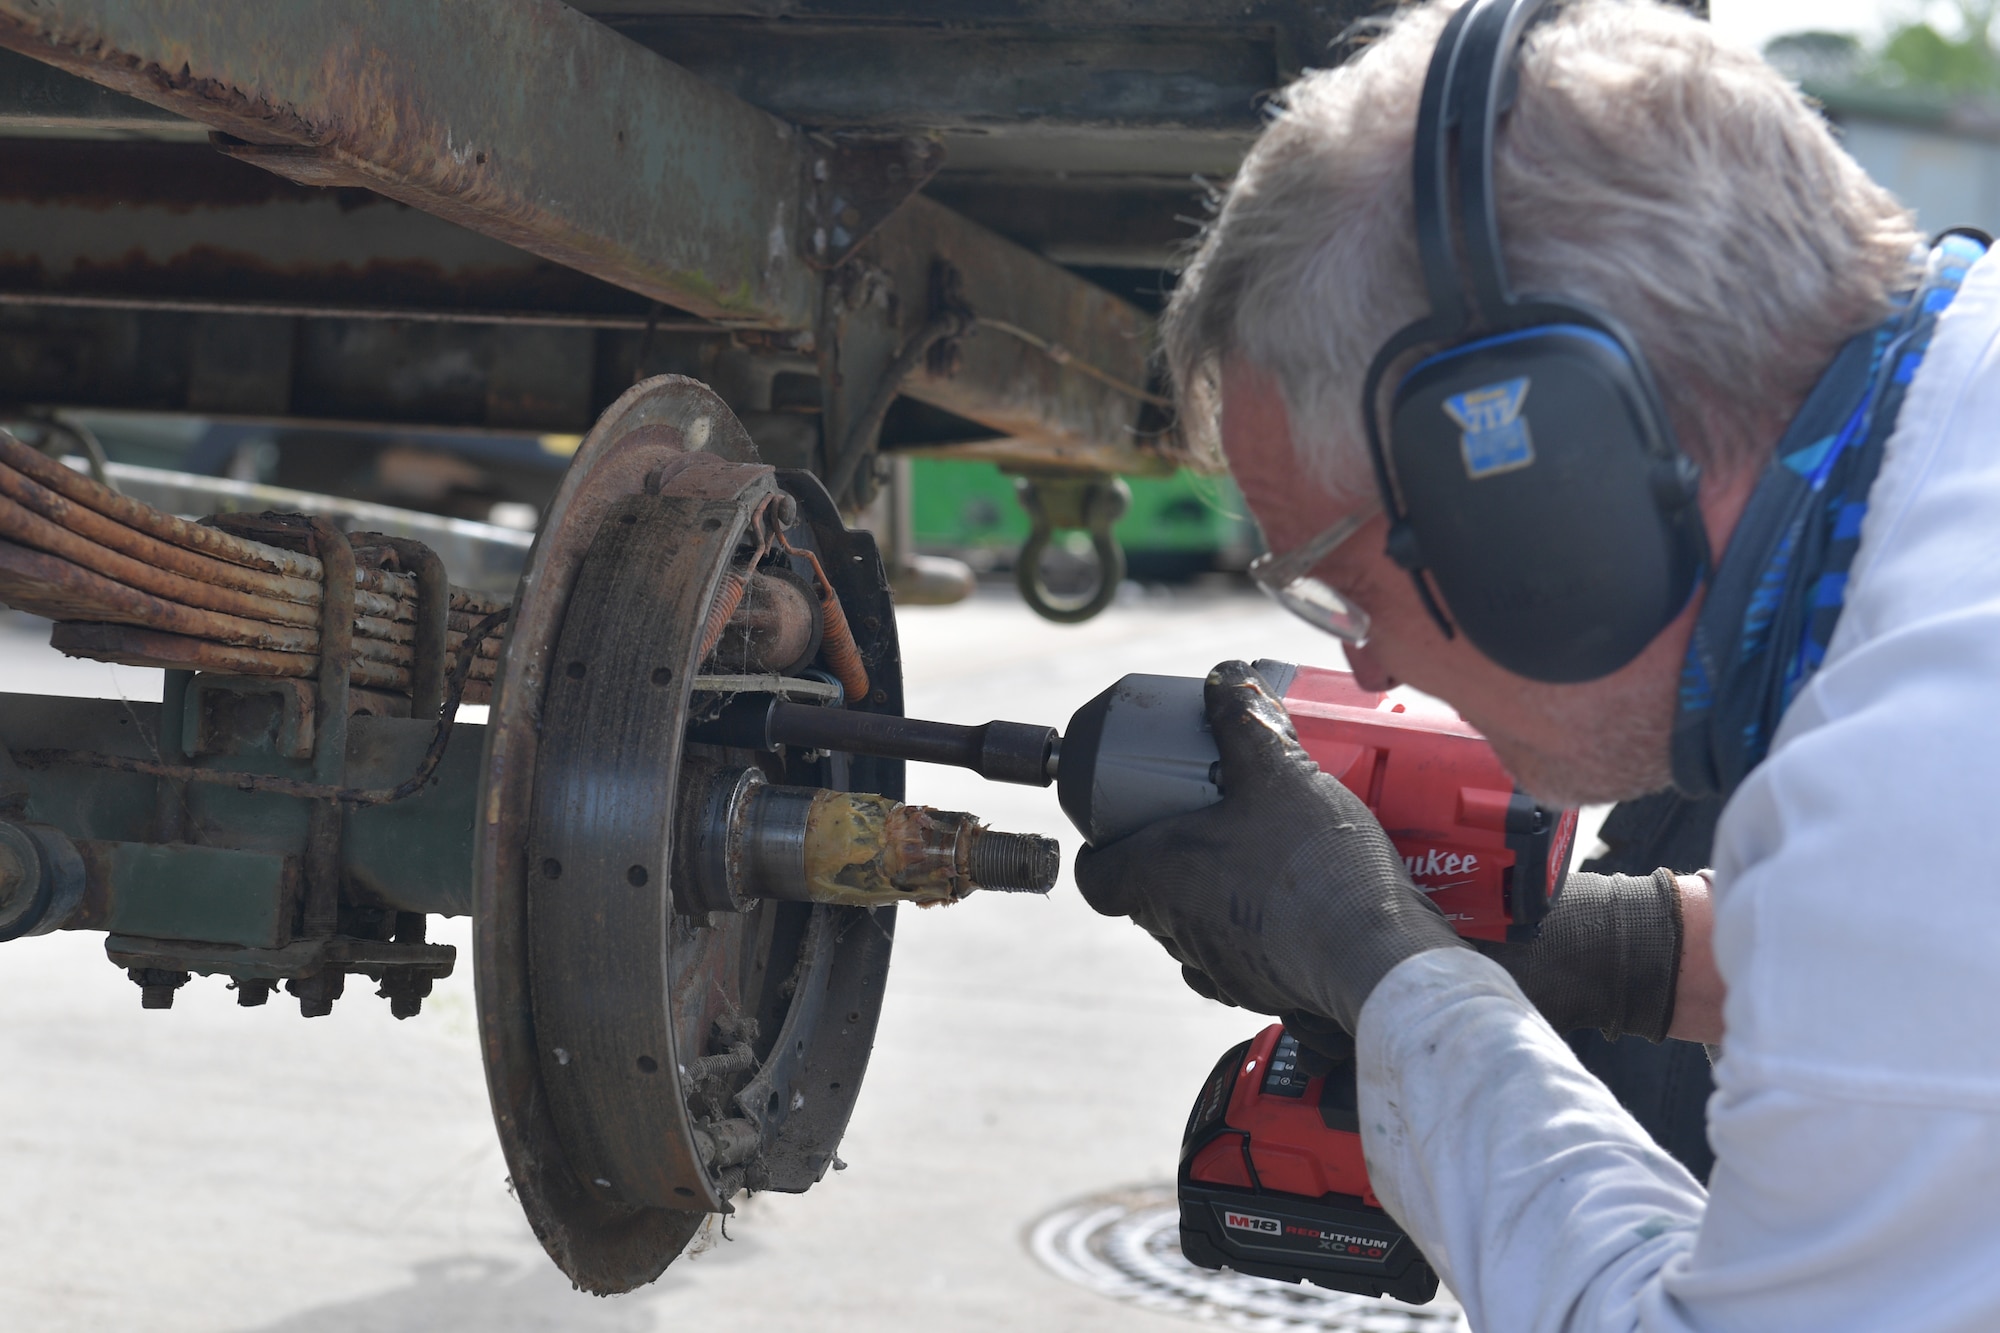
[646, 1057]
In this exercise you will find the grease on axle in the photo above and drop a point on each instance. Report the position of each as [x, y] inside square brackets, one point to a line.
[751, 839]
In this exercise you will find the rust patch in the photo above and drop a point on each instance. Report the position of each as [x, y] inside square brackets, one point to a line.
[94, 911]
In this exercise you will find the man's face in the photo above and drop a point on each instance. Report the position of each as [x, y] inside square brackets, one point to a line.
[1603, 740]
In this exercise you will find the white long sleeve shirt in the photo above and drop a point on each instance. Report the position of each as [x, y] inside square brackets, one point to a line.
[1856, 1123]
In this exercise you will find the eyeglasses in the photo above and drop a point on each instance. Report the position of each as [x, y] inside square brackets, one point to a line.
[1289, 579]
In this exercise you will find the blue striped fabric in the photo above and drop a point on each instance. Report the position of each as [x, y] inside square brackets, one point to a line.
[1778, 592]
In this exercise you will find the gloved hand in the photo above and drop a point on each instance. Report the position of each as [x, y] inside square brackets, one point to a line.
[1285, 897]
[1608, 956]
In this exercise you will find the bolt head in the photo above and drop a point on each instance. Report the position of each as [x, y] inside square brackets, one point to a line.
[157, 985]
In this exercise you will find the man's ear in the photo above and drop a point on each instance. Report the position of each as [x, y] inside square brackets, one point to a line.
[1725, 492]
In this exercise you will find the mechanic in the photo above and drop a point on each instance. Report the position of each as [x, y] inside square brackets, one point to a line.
[1829, 661]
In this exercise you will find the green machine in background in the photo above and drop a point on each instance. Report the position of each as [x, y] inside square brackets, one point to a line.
[1154, 529]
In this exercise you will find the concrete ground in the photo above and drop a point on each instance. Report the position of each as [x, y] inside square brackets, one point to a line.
[215, 1168]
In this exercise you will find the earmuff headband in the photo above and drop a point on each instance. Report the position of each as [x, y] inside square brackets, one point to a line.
[1481, 83]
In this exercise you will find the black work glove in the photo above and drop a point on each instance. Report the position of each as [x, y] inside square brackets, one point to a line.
[1324, 1035]
[1285, 897]
[1608, 956]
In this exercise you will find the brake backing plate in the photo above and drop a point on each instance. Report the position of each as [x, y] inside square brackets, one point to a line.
[647, 1061]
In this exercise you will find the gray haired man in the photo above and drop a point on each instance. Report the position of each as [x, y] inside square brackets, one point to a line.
[1835, 675]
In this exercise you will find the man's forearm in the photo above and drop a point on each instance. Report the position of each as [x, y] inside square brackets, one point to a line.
[1539, 1199]
[1699, 990]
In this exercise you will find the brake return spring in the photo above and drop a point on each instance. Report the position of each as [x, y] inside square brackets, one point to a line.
[841, 653]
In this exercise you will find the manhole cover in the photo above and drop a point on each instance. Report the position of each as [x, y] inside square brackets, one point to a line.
[1126, 1244]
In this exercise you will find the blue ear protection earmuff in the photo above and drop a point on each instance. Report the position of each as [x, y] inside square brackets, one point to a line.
[1533, 486]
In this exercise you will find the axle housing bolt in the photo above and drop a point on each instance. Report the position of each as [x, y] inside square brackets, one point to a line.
[156, 985]
[405, 991]
[317, 992]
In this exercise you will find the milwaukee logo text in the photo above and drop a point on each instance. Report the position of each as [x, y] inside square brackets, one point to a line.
[1434, 863]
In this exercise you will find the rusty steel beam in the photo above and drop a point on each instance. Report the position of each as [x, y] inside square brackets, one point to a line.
[180, 226]
[527, 122]
[1053, 14]
[1047, 409]
[949, 77]
[1312, 15]
[534, 125]
[1107, 221]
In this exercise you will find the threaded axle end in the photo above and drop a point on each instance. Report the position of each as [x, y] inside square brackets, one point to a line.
[1014, 862]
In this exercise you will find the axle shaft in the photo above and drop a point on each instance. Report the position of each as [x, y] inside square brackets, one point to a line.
[751, 839]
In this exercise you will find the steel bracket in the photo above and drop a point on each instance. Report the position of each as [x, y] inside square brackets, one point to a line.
[853, 184]
[302, 958]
